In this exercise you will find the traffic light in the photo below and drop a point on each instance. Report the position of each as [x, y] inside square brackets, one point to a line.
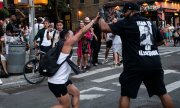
[40, 2]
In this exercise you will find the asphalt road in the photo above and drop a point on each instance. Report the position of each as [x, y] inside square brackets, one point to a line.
[99, 87]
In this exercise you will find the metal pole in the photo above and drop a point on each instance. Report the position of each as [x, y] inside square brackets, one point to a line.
[5, 4]
[31, 22]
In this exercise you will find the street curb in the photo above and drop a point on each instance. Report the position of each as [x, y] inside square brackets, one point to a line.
[14, 84]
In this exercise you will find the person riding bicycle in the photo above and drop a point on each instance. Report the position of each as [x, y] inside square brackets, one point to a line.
[44, 43]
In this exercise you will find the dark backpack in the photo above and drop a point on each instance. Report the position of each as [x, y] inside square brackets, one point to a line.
[48, 63]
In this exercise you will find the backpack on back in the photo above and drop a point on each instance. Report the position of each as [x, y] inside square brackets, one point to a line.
[48, 63]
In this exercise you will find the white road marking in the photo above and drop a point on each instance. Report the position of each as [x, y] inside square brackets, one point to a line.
[167, 55]
[173, 86]
[96, 89]
[106, 78]
[94, 72]
[170, 87]
[90, 96]
[118, 84]
[93, 96]
[170, 71]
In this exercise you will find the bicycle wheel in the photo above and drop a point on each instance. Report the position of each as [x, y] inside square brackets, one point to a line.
[31, 73]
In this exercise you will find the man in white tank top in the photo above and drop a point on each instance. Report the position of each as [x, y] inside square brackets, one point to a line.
[59, 84]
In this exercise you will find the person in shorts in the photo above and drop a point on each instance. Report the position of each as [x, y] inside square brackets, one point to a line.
[141, 62]
[59, 84]
[108, 38]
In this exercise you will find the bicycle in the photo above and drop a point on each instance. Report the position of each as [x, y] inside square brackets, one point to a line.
[31, 69]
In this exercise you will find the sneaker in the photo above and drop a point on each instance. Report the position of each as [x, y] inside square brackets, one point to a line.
[1, 82]
[105, 61]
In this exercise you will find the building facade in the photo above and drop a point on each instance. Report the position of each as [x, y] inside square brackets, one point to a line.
[162, 12]
[83, 8]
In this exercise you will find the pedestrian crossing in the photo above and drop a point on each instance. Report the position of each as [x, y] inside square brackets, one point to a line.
[112, 80]
[109, 75]
[104, 76]
[163, 51]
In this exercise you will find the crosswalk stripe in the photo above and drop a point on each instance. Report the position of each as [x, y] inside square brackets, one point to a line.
[170, 87]
[173, 86]
[118, 84]
[94, 72]
[165, 53]
[107, 78]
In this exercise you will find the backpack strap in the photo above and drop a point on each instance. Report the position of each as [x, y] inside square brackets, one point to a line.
[68, 57]
[52, 40]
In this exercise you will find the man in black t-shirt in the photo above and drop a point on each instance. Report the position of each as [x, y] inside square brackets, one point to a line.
[141, 58]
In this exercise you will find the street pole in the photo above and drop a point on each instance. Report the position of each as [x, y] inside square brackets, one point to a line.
[31, 22]
[5, 4]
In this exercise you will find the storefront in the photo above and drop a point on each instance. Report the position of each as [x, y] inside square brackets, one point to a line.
[161, 13]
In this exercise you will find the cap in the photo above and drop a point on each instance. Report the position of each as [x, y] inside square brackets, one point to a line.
[130, 6]
[81, 22]
[87, 19]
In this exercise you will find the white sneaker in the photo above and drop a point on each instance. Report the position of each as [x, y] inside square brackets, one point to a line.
[1, 82]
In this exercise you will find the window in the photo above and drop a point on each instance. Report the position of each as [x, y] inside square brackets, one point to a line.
[81, 1]
[96, 1]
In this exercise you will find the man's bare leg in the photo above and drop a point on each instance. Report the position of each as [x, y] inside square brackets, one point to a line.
[166, 101]
[124, 102]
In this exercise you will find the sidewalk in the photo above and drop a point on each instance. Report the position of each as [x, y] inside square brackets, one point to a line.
[14, 80]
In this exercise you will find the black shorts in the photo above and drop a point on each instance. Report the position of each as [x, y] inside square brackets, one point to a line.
[59, 89]
[153, 80]
[109, 44]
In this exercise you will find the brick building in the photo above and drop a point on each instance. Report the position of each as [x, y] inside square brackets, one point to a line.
[83, 8]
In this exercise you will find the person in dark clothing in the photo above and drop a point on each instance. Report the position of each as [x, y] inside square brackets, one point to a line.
[141, 63]
[12, 29]
[96, 44]
[43, 34]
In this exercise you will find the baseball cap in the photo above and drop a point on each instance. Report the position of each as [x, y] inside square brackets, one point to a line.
[130, 6]
[87, 20]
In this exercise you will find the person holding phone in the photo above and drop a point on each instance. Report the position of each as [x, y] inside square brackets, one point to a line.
[43, 34]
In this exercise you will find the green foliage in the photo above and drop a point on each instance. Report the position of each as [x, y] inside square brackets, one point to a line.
[58, 4]
[4, 13]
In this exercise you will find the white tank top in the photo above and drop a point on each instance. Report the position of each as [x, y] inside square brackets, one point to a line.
[62, 74]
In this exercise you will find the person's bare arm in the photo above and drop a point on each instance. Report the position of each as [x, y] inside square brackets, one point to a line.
[104, 26]
[93, 34]
[22, 14]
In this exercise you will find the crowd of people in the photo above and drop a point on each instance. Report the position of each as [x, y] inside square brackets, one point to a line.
[171, 34]
[133, 40]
